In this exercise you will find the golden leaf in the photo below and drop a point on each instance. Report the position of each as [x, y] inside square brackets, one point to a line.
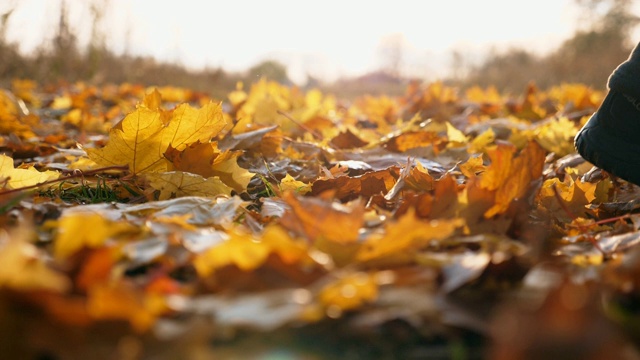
[348, 293]
[509, 175]
[419, 178]
[454, 135]
[19, 178]
[188, 125]
[480, 142]
[574, 194]
[24, 269]
[142, 138]
[248, 252]
[73, 233]
[407, 235]
[121, 302]
[557, 136]
[173, 184]
[137, 142]
[472, 166]
[289, 183]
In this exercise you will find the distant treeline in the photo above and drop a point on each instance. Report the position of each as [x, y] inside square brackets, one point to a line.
[588, 57]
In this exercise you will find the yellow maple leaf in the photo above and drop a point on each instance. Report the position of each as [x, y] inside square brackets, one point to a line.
[23, 269]
[178, 183]
[73, 235]
[289, 183]
[142, 138]
[248, 252]
[455, 136]
[480, 142]
[239, 249]
[152, 100]
[137, 142]
[189, 125]
[18, 178]
[575, 195]
[510, 175]
[557, 136]
[472, 166]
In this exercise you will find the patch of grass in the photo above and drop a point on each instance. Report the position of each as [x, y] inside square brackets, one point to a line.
[88, 193]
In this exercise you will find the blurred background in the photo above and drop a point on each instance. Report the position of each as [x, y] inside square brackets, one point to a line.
[343, 47]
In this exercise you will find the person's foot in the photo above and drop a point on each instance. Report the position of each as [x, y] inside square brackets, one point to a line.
[610, 139]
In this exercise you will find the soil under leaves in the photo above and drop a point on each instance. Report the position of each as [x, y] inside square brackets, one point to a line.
[285, 223]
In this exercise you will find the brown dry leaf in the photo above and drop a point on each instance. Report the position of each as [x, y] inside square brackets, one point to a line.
[206, 160]
[412, 178]
[446, 202]
[317, 218]
[346, 139]
[415, 139]
[419, 178]
[348, 188]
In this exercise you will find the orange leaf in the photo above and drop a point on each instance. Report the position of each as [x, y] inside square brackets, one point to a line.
[316, 218]
[405, 236]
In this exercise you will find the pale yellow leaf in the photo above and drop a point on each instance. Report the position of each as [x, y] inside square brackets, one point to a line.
[137, 142]
[189, 125]
[288, 183]
[19, 178]
[178, 183]
[90, 230]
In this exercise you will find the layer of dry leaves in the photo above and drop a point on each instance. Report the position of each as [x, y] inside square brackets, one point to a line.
[159, 223]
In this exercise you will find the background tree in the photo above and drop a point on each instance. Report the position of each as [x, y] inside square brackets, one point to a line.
[270, 69]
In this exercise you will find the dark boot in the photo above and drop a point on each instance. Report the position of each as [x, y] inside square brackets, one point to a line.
[611, 138]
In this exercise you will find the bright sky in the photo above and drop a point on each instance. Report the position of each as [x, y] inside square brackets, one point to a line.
[326, 39]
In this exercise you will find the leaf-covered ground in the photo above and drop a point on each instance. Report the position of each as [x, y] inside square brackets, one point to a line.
[288, 224]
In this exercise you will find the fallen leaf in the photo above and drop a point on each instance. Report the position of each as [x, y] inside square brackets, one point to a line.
[316, 218]
[19, 178]
[173, 184]
[23, 268]
[142, 138]
[401, 239]
[72, 234]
